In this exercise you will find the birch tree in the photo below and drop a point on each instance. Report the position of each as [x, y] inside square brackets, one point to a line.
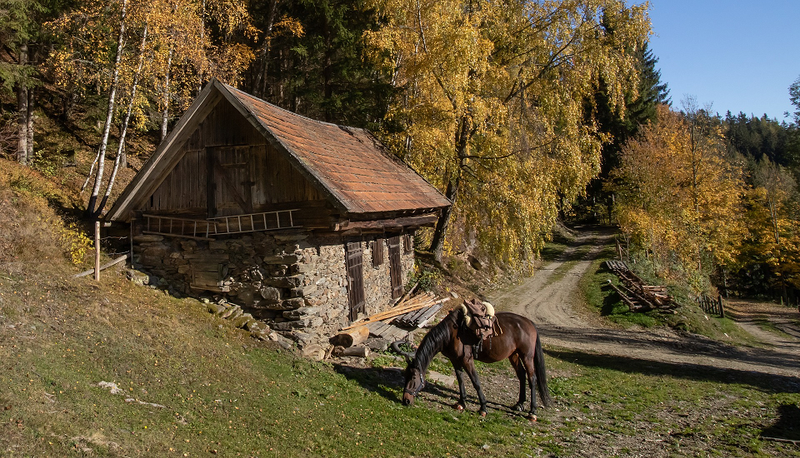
[491, 107]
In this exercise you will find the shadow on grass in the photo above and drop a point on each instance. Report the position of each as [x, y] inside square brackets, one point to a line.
[788, 425]
[388, 383]
[765, 382]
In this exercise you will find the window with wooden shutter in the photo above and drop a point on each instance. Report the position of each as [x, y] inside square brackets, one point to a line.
[355, 279]
[377, 252]
[408, 243]
[395, 267]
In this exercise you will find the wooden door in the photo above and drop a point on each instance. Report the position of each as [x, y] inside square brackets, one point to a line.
[395, 267]
[229, 181]
[355, 279]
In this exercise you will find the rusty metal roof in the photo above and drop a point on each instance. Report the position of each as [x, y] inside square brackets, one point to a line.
[350, 163]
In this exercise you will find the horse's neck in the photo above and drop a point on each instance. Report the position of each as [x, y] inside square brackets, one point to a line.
[432, 343]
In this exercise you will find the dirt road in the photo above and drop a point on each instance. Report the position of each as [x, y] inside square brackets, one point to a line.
[552, 299]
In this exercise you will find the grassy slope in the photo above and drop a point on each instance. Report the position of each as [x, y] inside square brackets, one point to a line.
[225, 394]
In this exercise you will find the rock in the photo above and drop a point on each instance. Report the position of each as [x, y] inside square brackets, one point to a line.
[270, 294]
[293, 303]
[314, 351]
[299, 324]
[137, 277]
[301, 312]
[215, 308]
[217, 245]
[285, 259]
[232, 312]
[259, 330]
[282, 341]
[293, 281]
[243, 320]
[441, 379]
[147, 238]
[377, 344]
[303, 338]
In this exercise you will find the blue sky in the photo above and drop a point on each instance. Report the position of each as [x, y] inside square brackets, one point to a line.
[735, 55]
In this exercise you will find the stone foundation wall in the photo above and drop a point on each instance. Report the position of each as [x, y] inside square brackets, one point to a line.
[297, 284]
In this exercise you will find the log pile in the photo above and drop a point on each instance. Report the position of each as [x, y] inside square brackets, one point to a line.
[638, 296]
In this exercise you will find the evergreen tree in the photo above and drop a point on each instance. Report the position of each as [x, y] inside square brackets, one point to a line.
[640, 109]
[22, 39]
[312, 62]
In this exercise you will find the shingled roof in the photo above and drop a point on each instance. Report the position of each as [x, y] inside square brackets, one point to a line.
[349, 165]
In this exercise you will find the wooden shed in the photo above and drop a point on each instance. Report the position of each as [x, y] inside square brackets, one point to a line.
[304, 223]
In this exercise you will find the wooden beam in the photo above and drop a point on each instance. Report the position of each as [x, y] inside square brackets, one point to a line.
[391, 223]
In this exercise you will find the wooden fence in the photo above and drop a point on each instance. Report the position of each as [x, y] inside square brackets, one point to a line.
[711, 305]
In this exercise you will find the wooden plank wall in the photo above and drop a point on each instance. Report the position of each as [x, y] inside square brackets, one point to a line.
[263, 178]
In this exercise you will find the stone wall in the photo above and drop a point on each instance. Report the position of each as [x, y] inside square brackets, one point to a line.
[297, 284]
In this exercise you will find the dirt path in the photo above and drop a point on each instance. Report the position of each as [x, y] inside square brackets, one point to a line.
[552, 299]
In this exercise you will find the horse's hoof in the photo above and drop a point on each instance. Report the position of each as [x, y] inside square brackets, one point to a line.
[458, 406]
[532, 418]
[518, 407]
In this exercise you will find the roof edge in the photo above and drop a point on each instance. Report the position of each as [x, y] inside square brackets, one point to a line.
[120, 211]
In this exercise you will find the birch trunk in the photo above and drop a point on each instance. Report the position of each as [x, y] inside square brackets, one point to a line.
[165, 112]
[121, 160]
[112, 95]
[23, 111]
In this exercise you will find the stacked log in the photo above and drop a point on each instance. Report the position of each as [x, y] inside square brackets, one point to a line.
[638, 296]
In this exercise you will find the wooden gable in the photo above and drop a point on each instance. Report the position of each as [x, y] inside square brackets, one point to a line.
[229, 168]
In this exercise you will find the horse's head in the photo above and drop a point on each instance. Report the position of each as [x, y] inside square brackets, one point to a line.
[414, 377]
[415, 382]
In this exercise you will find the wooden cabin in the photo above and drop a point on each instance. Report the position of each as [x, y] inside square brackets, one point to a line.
[305, 224]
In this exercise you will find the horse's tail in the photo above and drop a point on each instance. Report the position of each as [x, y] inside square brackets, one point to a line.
[541, 374]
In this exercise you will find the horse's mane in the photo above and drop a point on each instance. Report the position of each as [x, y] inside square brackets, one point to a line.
[434, 341]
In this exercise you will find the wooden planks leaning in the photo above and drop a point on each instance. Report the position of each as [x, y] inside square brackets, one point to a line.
[413, 312]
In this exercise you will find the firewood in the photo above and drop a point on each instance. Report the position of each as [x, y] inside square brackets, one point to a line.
[348, 338]
[361, 352]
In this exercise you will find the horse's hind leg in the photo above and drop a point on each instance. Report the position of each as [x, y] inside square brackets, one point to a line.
[522, 374]
[531, 373]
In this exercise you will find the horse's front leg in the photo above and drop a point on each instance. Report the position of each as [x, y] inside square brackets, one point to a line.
[462, 390]
[473, 376]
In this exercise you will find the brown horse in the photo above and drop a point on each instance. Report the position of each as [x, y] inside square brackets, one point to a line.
[518, 341]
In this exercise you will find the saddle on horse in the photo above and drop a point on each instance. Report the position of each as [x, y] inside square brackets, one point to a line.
[479, 318]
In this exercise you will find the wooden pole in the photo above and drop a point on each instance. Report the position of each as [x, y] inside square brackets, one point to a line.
[97, 250]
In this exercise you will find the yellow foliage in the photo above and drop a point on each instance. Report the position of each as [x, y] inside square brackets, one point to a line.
[491, 105]
[679, 198]
[76, 244]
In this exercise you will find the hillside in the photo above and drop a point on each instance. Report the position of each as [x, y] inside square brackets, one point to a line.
[115, 369]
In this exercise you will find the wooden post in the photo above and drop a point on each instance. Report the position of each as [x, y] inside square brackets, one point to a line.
[97, 250]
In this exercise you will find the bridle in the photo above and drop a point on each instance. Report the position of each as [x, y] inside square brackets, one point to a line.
[420, 386]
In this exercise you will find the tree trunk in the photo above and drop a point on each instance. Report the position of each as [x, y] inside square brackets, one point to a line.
[165, 111]
[260, 84]
[23, 110]
[439, 233]
[121, 159]
[112, 95]
[31, 98]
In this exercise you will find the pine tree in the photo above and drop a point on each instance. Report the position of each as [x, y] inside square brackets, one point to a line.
[21, 36]
[314, 64]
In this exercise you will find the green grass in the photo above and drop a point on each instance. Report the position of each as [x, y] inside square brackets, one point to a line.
[194, 386]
